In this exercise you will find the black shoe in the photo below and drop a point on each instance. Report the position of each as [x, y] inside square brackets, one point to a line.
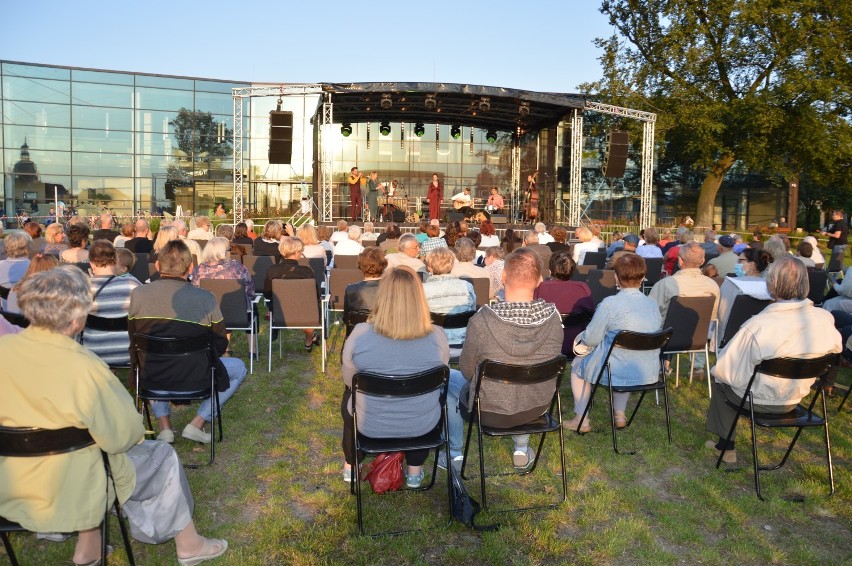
[274, 335]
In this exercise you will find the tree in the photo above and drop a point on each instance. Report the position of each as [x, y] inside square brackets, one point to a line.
[200, 137]
[729, 76]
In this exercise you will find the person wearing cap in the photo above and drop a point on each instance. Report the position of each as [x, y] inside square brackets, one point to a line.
[631, 241]
[727, 259]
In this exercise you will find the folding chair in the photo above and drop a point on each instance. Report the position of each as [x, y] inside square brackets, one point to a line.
[449, 321]
[653, 272]
[744, 308]
[15, 318]
[338, 280]
[597, 259]
[572, 324]
[581, 272]
[39, 442]
[390, 387]
[296, 305]
[238, 313]
[346, 261]
[640, 342]
[799, 418]
[818, 281]
[317, 264]
[491, 373]
[602, 284]
[103, 324]
[257, 266]
[481, 288]
[158, 351]
[690, 319]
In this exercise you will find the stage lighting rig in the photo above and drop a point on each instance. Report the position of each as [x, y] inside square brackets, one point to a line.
[485, 104]
[431, 102]
[385, 128]
[455, 131]
[491, 136]
[524, 109]
[419, 129]
[346, 129]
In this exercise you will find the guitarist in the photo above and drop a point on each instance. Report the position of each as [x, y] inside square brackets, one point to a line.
[463, 203]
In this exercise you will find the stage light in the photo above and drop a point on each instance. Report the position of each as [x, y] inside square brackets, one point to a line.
[491, 136]
[455, 131]
[485, 104]
[524, 109]
[385, 128]
[431, 102]
[346, 129]
[419, 129]
[387, 103]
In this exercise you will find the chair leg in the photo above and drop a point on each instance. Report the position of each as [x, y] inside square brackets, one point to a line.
[7, 544]
[666, 405]
[754, 455]
[481, 466]
[707, 371]
[828, 447]
[125, 536]
[677, 370]
[270, 346]
[466, 448]
[691, 366]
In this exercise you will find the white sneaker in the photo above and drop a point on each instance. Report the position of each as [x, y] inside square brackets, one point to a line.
[53, 537]
[192, 433]
[457, 462]
[523, 459]
[166, 435]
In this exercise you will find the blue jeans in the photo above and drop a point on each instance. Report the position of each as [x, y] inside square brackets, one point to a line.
[236, 374]
[455, 422]
[837, 255]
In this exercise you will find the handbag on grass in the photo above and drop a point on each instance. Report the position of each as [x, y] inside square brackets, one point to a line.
[385, 472]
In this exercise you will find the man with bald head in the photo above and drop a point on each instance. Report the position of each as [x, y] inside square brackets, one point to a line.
[141, 242]
[106, 232]
[521, 330]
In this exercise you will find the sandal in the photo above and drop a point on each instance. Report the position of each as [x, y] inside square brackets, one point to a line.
[207, 552]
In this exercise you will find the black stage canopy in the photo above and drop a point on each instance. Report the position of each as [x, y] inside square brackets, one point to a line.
[484, 107]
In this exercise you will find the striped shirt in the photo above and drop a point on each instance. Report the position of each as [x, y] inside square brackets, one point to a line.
[113, 301]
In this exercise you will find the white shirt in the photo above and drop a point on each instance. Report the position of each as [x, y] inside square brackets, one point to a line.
[545, 238]
[339, 236]
[462, 197]
[348, 247]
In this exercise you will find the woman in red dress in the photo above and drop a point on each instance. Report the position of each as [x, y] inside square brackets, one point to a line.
[435, 195]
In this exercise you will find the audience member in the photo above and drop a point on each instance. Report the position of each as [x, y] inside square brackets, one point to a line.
[408, 253]
[125, 235]
[289, 268]
[267, 243]
[360, 297]
[78, 240]
[650, 249]
[433, 240]
[241, 235]
[106, 232]
[570, 297]
[217, 264]
[350, 245]
[489, 234]
[141, 242]
[751, 267]
[543, 237]
[560, 239]
[726, 261]
[446, 293]
[308, 235]
[202, 231]
[14, 267]
[816, 255]
[587, 244]
[369, 233]
[494, 264]
[465, 254]
[55, 241]
[804, 251]
[39, 263]
[389, 240]
[342, 233]
[37, 241]
[543, 252]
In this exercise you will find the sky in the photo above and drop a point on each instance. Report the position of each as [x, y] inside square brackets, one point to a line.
[531, 45]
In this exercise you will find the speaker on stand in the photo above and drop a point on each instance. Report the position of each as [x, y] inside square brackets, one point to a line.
[280, 137]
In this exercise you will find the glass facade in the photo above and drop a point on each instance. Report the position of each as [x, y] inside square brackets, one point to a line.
[121, 141]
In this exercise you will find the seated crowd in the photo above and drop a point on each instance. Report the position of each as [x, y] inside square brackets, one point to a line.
[539, 306]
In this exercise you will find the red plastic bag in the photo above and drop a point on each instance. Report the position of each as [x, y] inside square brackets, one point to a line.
[385, 472]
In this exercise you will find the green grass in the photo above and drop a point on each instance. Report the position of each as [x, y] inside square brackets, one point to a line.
[276, 494]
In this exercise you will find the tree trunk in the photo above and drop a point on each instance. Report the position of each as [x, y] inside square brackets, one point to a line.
[709, 190]
[793, 202]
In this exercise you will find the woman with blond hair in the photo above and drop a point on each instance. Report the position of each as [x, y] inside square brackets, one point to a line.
[216, 263]
[587, 244]
[447, 293]
[398, 339]
[54, 236]
[308, 234]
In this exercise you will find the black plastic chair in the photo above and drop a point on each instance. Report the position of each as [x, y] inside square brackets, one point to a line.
[38, 442]
[575, 323]
[452, 321]
[799, 418]
[597, 259]
[481, 289]
[636, 341]
[402, 387]
[15, 318]
[602, 284]
[689, 318]
[160, 349]
[491, 372]
[4, 292]
[238, 313]
[744, 308]
[818, 282]
[653, 272]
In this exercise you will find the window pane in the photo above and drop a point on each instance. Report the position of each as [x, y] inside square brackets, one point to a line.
[102, 77]
[215, 103]
[46, 162]
[102, 164]
[102, 95]
[215, 86]
[37, 137]
[163, 82]
[35, 71]
[148, 165]
[102, 118]
[36, 90]
[36, 113]
[159, 99]
[102, 140]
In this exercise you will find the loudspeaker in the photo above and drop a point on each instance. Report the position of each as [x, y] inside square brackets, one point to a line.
[615, 161]
[280, 137]
[455, 217]
[397, 216]
[499, 219]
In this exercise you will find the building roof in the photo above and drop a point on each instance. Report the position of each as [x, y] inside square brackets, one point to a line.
[485, 107]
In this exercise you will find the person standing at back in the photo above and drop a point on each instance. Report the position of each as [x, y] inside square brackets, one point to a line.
[838, 238]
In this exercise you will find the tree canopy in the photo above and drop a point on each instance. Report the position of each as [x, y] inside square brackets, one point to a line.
[766, 83]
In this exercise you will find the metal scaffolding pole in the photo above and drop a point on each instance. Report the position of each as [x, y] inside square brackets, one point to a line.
[516, 177]
[575, 181]
[326, 160]
[647, 194]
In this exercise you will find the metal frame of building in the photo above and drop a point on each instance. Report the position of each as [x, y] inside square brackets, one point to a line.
[324, 119]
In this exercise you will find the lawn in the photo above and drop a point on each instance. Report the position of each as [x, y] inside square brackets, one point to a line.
[276, 493]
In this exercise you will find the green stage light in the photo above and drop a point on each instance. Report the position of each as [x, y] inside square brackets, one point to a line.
[491, 136]
[455, 131]
[419, 130]
[346, 129]
[385, 128]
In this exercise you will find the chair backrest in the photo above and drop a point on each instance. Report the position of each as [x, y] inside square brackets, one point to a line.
[257, 266]
[351, 319]
[449, 321]
[154, 357]
[654, 270]
[492, 370]
[744, 308]
[798, 368]
[15, 318]
[378, 385]
[338, 280]
[481, 288]
[368, 243]
[295, 303]
[103, 324]
[598, 259]
[602, 284]
[247, 249]
[818, 281]
[689, 318]
[82, 266]
[317, 264]
[4, 292]
[581, 272]
[641, 341]
[346, 261]
[231, 296]
[201, 243]
[140, 268]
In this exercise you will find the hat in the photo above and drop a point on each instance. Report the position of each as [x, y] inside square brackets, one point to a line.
[738, 249]
[726, 242]
[632, 238]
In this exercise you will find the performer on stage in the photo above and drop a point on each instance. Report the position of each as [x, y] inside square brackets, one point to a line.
[463, 202]
[354, 182]
[435, 195]
[495, 202]
[373, 195]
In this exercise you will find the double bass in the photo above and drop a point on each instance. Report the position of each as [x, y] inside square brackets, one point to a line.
[531, 211]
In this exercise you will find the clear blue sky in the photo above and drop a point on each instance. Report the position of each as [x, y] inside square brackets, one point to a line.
[533, 44]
